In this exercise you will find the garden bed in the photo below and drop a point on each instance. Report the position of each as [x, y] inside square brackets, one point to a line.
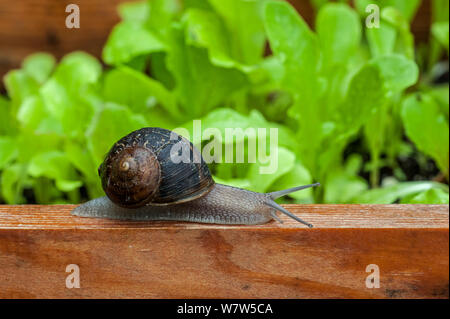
[116, 259]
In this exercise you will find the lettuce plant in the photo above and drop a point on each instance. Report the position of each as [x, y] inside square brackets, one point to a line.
[347, 100]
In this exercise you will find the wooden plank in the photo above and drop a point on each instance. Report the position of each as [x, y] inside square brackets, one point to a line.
[409, 244]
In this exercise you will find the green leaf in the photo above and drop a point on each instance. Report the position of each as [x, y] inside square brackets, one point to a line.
[137, 12]
[244, 21]
[200, 85]
[7, 125]
[293, 43]
[225, 118]
[39, 66]
[71, 112]
[12, 180]
[365, 97]
[128, 40]
[341, 187]
[339, 31]
[31, 143]
[298, 175]
[235, 182]
[76, 70]
[365, 94]
[381, 40]
[397, 71]
[317, 4]
[389, 194]
[292, 40]
[220, 119]
[441, 95]
[408, 8]
[67, 185]
[376, 135]
[393, 34]
[8, 150]
[33, 115]
[128, 87]
[284, 163]
[440, 31]
[110, 124]
[55, 165]
[204, 29]
[405, 41]
[160, 71]
[71, 94]
[439, 14]
[342, 184]
[286, 137]
[431, 196]
[31, 112]
[162, 13]
[440, 10]
[427, 127]
[19, 86]
[81, 159]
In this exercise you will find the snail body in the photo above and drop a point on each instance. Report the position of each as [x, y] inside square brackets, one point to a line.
[219, 207]
[144, 179]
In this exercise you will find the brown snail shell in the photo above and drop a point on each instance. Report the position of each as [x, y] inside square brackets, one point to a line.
[138, 170]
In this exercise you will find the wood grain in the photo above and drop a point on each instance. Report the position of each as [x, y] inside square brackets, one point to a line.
[409, 243]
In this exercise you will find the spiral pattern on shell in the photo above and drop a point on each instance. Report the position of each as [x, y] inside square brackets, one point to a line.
[131, 178]
[139, 170]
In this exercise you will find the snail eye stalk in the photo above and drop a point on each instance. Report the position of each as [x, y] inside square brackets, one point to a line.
[274, 195]
[278, 194]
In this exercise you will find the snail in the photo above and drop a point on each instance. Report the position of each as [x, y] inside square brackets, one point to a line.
[145, 179]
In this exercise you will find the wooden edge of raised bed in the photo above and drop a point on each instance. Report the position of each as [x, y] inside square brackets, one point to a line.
[321, 216]
[407, 244]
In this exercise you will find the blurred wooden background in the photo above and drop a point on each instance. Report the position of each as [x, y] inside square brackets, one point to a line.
[28, 26]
